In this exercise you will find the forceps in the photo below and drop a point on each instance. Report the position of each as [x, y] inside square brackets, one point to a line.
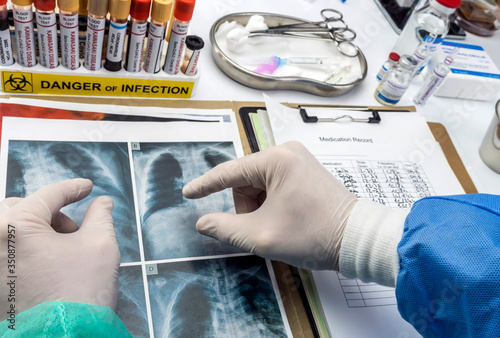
[332, 27]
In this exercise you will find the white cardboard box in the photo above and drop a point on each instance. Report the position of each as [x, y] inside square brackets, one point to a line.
[473, 75]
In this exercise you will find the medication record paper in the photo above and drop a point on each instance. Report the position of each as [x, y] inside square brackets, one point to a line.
[395, 163]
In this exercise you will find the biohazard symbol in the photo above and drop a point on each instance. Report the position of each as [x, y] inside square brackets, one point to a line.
[17, 82]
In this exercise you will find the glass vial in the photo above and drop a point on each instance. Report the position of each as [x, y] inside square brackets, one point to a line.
[429, 19]
[434, 79]
[393, 86]
[391, 61]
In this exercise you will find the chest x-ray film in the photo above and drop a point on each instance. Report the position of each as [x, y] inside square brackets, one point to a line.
[161, 170]
[173, 282]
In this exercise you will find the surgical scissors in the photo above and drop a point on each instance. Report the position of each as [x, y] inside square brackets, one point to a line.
[327, 29]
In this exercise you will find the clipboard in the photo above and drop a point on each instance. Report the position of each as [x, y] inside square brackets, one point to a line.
[441, 136]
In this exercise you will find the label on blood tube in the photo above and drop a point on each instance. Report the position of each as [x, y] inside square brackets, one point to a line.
[93, 46]
[175, 47]
[156, 37]
[69, 41]
[47, 39]
[135, 45]
[6, 58]
[25, 37]
[193, 62]
[116, 39]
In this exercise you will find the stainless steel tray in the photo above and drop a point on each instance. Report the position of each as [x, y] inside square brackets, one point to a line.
[266, 82]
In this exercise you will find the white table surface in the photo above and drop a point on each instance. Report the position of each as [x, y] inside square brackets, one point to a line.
[465, 120]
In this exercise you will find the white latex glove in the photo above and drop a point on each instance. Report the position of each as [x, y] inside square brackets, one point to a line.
[54, 260]
[290, 207]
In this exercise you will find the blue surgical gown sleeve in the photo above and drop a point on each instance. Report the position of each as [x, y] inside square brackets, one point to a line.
[449, 281]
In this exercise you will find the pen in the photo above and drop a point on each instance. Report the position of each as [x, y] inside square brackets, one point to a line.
[24, 32]
[118, 12]
[160, 14]
[183, 12]
[96, 22]
[139, 14]
[47, 33]
[6, 58]
[68, 23]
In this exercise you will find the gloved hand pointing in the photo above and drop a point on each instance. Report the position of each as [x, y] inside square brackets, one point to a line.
[51, 258]
[290, 208]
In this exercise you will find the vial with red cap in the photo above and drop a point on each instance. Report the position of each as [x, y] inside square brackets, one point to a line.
[47, 33]
[183, 12]
[6, 57]
[139, 14]
[429, 21]
[391, 61]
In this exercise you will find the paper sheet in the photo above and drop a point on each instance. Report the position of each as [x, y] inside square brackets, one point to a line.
[395, 162]
[168, 271]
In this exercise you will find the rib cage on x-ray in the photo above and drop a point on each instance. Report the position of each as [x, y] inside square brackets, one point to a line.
[131, 307]
[168, 219]
[230, 297]
[34, 164]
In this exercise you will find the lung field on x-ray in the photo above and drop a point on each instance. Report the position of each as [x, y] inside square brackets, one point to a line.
[228, 297]
[131, 307]
[33, 164]
[168, 219]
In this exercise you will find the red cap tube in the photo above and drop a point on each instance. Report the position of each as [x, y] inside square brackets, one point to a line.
[139, 9]
[184, 9]
[45, 5]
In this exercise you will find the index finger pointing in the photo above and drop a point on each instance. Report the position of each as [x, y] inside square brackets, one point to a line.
[47, 201]
[245, 171]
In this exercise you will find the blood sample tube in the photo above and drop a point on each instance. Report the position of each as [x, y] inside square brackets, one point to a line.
[139, 14]
[160, 14]
[183, 12]
[47, 33]
[68, 23]
[24, 32]
[118, 12]
[96, 22]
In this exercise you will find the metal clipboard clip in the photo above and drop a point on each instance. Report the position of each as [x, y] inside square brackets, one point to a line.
[375, 118]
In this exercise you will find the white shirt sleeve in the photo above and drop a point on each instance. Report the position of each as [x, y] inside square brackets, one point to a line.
[369, 247]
